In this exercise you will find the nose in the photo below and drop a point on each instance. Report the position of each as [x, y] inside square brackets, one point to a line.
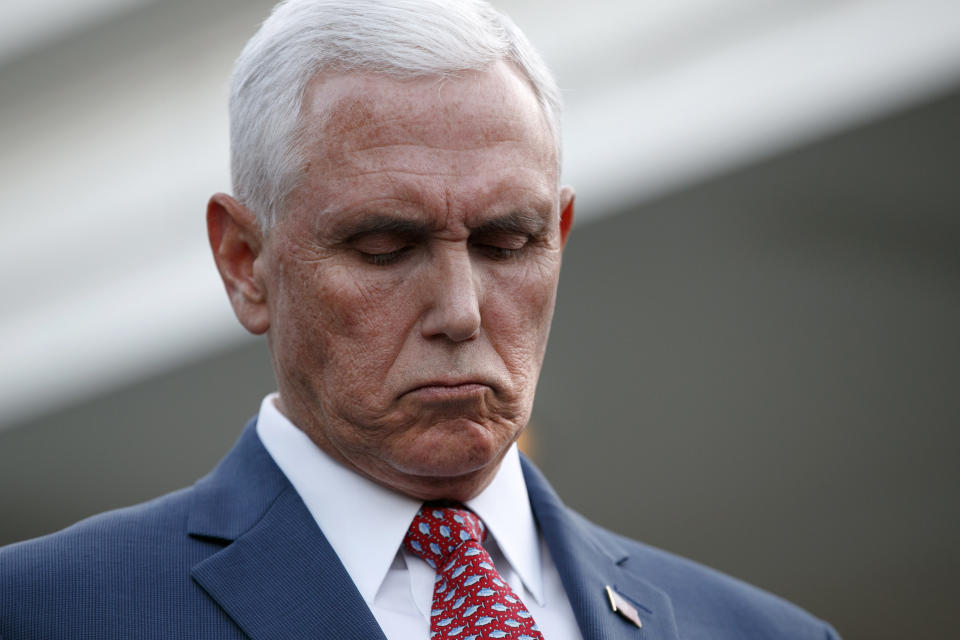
[453, 298]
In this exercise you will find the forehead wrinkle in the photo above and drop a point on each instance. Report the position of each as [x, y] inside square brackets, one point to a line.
[398, 162]
[482, 143]
[427, 188]
[371, 123]
[397, 196]
[445, 139]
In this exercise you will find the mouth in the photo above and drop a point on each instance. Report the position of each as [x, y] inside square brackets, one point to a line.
[449, 391]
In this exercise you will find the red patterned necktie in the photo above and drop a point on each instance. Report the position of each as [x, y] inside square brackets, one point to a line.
[470, 599]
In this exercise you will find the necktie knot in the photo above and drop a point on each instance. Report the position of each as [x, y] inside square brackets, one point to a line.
[437, 531]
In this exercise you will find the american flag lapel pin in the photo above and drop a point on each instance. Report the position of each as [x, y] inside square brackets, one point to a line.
[620, 605]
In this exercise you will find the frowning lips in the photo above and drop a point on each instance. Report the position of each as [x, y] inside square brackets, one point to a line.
[451, 388]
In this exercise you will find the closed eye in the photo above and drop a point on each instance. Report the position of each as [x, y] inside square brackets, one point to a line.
[384, 248]
[385, 258]
[500, 246]
[380, 239]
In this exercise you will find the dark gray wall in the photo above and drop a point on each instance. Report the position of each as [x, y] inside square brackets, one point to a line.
[149, 438]
[763, 373]
[760, 372]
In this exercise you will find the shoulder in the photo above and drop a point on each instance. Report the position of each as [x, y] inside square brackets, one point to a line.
[708, 603]
[110, 535]
[129, 562]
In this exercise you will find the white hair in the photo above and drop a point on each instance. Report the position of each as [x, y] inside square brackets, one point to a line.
[395, 38]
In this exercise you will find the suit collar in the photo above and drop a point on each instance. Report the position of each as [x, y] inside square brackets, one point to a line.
[277, 578]
[232, 497]
[588, 559]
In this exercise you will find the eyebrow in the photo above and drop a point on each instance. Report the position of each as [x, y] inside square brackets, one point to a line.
[380, 224]
[521, 222]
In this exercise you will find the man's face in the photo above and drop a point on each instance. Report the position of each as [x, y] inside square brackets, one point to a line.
[411, 278]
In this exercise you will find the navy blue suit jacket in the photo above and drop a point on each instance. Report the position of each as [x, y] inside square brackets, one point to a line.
[239, 556]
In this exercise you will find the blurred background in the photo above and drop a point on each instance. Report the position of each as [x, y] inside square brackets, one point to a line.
[755, 360]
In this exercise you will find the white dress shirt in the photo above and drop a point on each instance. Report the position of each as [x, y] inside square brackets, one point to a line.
[365, 524]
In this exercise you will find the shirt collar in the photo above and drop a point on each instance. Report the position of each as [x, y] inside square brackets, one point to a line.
[365, 522]
[505, 509]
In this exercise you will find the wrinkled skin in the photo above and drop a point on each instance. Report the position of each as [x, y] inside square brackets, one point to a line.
[408, 286]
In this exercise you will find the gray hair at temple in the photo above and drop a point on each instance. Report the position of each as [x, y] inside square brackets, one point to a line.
[395, 38]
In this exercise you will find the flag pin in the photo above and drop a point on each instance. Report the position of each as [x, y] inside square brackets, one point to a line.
[620, 605]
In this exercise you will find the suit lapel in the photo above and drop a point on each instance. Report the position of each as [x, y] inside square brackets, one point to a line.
[589, 560]
[277, 577]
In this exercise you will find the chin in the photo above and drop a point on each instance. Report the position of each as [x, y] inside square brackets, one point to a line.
[460, 450]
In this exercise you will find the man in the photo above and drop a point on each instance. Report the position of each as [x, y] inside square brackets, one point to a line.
[396, 234]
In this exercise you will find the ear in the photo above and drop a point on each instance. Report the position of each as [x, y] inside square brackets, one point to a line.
[566, 213]
[236, 242]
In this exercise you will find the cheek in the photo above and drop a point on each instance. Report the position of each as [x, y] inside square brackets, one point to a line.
[518, 317]
[358, 324]
[358, 308]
